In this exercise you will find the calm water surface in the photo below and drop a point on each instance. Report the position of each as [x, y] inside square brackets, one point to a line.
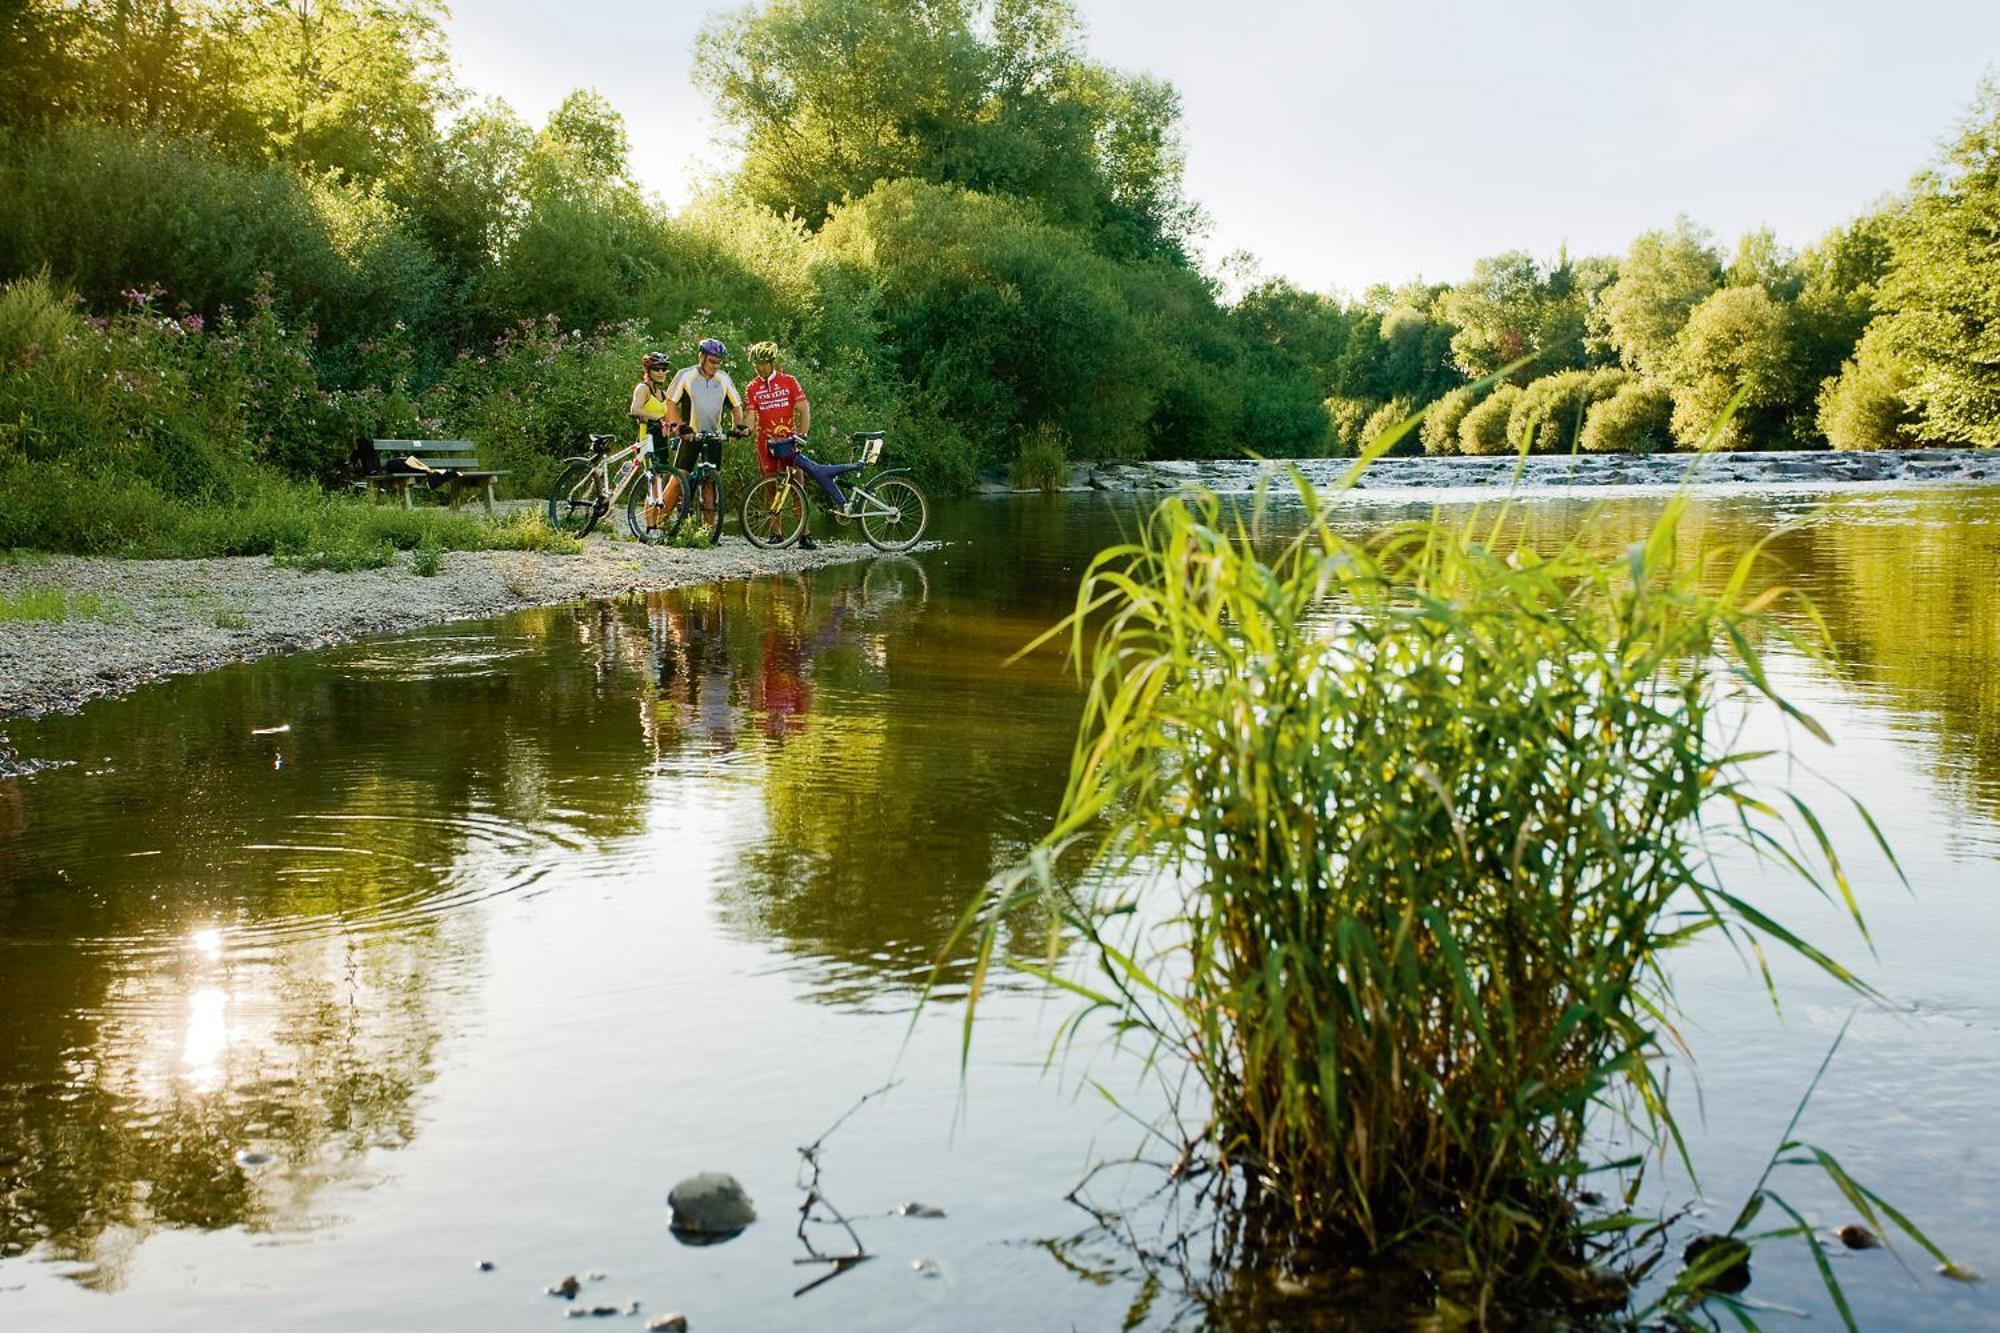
[324, 978]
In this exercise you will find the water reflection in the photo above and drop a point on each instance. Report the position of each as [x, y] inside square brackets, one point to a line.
[234, 960]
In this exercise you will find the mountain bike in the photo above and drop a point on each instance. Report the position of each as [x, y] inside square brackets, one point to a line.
[653, 521]
[587, 488]
[891, 509]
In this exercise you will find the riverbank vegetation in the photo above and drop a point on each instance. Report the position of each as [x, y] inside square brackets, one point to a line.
[1423, 816]
[301, 206]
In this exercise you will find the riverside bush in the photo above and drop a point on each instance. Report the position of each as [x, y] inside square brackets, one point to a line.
[1385, 419]
[1344, 419]
[1439, 432]
[1483, 430]
[1549, 414]
[1638, 419]
[1420, 818]
[1867, 405]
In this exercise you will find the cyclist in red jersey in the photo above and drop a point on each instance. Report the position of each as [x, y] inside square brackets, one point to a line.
[778, 409]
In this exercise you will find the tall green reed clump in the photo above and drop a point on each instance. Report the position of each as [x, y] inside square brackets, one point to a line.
[1431, 810]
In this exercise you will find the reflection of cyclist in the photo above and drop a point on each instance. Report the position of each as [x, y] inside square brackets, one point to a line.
[650, 409]
[778, 409]
[783, 689]
[694, 670]
[698, 400]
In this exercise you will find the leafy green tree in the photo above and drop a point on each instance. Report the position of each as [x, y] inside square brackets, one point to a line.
[1664, 276]
[1309, 330]
[1762, 262]
[1840, 278]
[1942, 293]
[1867, 406]
[353, 86]
[1739, 339]
[830, 97]
[1007, 321]
[1512, 307]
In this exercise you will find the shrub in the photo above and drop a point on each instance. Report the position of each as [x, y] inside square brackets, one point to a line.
[1344, 420]
[1439, 432]
[1866, 406]
[1550, 411]
[1386, 419]
[1635, 420]
[1484, 429]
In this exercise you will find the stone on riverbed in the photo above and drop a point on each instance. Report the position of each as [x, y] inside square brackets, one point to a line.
[710, 1204]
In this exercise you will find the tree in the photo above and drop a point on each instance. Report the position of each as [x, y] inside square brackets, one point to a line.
[1666, 274]
[1305, 328]
[1942, 292]
[1007, 321]
[831, 96]
[1868, 405]
[350, 85]
[1762, 262]
[1739, 339]
[1512, 307]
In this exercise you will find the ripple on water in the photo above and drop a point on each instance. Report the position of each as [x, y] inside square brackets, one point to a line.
[446, 656]
[340, 873]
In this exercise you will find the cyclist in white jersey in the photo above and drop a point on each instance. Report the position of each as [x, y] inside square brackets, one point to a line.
[698, 400]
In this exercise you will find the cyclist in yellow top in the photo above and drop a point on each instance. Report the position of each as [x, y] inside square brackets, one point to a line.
[653, 413]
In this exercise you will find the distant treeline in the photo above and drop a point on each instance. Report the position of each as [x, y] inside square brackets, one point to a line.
[960, 227]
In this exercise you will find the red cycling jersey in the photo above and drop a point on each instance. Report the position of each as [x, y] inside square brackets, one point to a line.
[774, 400]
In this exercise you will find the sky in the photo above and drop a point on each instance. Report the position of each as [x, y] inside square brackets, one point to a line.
[1347, 142]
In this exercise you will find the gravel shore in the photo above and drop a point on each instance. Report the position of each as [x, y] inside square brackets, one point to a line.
[166, 617]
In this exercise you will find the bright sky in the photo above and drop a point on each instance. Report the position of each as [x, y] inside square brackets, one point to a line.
[1344, 142]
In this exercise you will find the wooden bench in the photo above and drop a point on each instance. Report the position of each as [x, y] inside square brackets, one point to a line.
[450, 466]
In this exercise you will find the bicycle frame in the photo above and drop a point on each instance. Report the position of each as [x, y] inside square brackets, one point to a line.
[631, 461]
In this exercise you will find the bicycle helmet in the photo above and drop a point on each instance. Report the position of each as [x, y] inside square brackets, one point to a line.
[658, 361]
[711, 347]
[763, 352]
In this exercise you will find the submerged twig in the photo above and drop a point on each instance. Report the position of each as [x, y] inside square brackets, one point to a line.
[809, 1177]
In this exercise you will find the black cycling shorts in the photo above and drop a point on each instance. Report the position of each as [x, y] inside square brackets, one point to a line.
[693, 449]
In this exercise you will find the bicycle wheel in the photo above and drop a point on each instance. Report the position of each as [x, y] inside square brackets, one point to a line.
[578, 500]
[651, 528]
[773, 512]
[895, 515]
[692, 507]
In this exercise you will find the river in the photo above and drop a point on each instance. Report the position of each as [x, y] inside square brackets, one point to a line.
[325, 979]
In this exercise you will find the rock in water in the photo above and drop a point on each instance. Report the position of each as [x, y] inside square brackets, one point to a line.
[1724, 1258]
[669, 1323]
[1856, 1237]
[710, 1204]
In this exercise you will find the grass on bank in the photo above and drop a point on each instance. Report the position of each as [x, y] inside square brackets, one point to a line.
[1429, 810]
[65, 511]
[55, 605]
